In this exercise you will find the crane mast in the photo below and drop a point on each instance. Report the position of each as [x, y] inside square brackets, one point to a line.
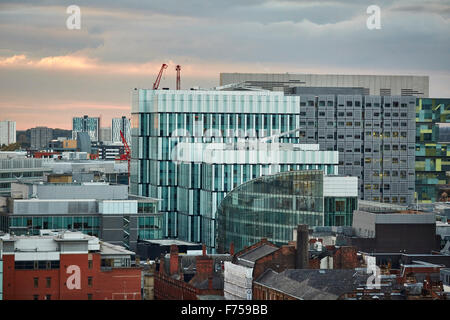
[127, 153]
[158, 79]
[178, 69]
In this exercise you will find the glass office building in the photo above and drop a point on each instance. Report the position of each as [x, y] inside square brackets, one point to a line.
[272, 206]
[432, 148]
[223, 167]
[190, 190]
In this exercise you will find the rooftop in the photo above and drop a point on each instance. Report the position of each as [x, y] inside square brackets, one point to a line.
[379, 207]
[169, 242]
[110, 249]
[309, 284]
[250, 257]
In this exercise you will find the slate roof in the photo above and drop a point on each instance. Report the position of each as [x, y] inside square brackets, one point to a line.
[313, 284]
[250, 257]
[202, 282]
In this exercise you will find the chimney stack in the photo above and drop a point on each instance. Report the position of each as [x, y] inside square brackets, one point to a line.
[203, 250]
[210, 282]
[174, 259]
[204, 264]
[302, 256]
[232, 249]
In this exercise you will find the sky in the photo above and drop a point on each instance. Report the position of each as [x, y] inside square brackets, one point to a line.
[49, 73]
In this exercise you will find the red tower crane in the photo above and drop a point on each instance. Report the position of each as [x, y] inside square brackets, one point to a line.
[158, 79]
[178, 69]
[126, 156]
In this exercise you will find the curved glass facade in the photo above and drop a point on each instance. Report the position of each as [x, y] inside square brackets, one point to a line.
[270, 207]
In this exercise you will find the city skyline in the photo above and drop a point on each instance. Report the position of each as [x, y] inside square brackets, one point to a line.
[50, 73]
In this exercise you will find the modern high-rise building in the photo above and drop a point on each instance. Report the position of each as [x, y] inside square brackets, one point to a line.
[91, 125]
[192, 147]
[432, 148]
[7, 132]
[40, 137]
[121, 124]
[382, 85]
[375, 136]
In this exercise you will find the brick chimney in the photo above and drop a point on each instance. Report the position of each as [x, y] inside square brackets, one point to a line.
[232, 249]
[302, 256]
[210, 282]
[161, 264]
[174, 263]
[204, 263]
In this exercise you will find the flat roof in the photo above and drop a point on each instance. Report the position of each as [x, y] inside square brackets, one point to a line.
[111, 249]
[168, 242]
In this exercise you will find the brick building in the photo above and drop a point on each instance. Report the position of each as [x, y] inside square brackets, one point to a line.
[67, 266]
[189, 277]
[332, 256]
[302, 253]
[306, 284]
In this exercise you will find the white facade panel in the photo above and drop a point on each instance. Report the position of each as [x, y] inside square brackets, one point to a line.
[335, 186]
[36, 256]
[237, 282]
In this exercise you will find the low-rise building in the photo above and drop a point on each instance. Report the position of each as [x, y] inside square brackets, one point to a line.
[190, 277]
[99, 209]
[67, 266]
[445, 278]
[306, 284]
[391, 229]
[16, 167]
[302, 253]
[153, 248]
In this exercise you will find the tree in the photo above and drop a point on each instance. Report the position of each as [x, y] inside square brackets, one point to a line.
[11, 147]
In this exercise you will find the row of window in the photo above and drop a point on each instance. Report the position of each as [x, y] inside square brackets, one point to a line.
[48, 282]
[49, 296]
[377, 187]
[36, 265]
[402, 200]
[349, 103]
